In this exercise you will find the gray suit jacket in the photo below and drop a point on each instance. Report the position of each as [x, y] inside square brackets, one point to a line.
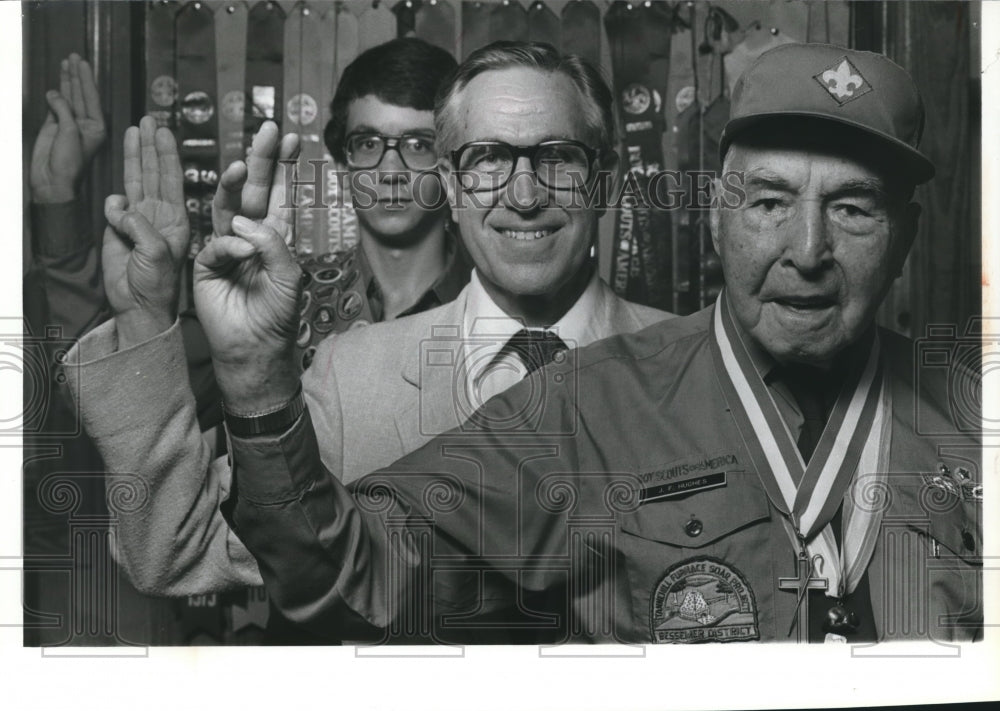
[374, 395]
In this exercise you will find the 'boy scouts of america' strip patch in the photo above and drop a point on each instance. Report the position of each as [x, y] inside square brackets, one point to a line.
[703, 600]
[686, 476]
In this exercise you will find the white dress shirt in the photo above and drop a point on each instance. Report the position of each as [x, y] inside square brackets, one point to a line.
[487, 329]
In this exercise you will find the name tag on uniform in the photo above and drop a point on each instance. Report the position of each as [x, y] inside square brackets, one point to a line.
[687, 475]
[676, 489]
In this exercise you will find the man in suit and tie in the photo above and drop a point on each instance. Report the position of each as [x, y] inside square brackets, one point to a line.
[530, 129]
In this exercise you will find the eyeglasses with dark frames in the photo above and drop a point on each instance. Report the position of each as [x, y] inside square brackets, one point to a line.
[366, 149]
[485, 166]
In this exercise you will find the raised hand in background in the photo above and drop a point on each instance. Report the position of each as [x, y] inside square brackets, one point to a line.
[72, 133]
[146, 240]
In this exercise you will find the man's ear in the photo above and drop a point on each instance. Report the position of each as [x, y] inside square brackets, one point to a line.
[909, 224]
[448, 178]
[715, 212]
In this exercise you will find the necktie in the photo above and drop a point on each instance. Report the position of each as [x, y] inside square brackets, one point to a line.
[806, 385]
[535, 348]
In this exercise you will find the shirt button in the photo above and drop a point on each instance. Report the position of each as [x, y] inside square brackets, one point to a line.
[693, 528]
[968, 541]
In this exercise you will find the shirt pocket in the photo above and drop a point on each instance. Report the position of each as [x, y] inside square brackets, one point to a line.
[699, 566]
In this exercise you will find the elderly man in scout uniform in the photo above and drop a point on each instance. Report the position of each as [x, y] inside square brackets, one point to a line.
[761, 470]
[379, 392]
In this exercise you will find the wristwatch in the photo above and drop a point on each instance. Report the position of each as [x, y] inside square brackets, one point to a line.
[268, 422]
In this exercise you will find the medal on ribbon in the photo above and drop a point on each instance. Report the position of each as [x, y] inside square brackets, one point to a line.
[851, 448]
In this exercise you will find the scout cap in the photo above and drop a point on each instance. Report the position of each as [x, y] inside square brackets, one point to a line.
[861, 90]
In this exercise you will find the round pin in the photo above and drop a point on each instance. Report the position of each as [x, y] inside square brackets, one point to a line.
[350, 305]
[305, 302]
[324, 319]
[693, 528]
[305, 334]
[307, 357]
[328, 276]
[163, 90]
[327, 295]
[197, 107]
[233, 105]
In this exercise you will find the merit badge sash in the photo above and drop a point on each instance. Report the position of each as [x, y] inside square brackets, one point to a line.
[264, 76]
[230, 51]
[406, 17]
[581, 30]
[435, 23]
[475, 26]
[543, 24]
[197, 126]
[341, 221]
[376, 25]
[640, 39]
[853, 448]
[162, 96]
[310, 53]
[508, 21]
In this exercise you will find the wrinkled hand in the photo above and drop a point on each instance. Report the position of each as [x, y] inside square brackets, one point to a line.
[246, 290]
[72, 133]
[147, 239]
[247, 285]
[245, 188]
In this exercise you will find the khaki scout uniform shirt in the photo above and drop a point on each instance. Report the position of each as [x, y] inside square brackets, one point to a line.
[550, 497]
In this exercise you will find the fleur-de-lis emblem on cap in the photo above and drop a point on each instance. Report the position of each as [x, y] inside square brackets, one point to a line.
[843, 81]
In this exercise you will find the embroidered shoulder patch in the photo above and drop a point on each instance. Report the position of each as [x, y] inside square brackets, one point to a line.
[703, 600]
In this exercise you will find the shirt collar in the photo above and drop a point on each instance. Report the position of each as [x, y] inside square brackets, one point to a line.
[580, 326]
[445, 288]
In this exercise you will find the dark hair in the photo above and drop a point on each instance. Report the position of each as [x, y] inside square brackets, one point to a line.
[405, 72]
[598, 99]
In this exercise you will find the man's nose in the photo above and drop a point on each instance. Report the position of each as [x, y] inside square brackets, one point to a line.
[522, 191]
[391, 168]
[808, 246]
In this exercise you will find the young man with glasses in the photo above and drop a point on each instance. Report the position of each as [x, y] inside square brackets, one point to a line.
[380, 392]
[406, 259]
[382, 130]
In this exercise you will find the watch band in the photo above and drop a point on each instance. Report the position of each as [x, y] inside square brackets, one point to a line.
[266, 422]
